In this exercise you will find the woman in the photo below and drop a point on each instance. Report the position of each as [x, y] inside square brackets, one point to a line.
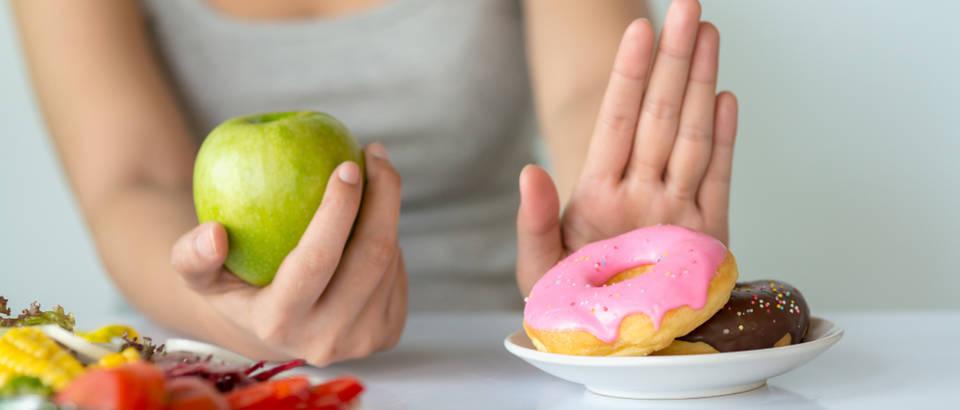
[129, 88]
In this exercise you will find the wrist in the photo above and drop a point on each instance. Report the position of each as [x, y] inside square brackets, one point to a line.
[210, 326]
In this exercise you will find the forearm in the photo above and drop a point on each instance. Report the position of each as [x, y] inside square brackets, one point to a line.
[124, 146]
[570, 58]
[135, 230]
[567, 133]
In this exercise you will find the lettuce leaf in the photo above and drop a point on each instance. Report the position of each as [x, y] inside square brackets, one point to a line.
[23, 386]
[33, 316]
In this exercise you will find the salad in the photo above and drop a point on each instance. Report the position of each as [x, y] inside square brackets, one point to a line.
[46, 363]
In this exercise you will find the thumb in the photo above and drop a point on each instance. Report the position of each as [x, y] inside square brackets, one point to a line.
[539, 244]
[199, 254]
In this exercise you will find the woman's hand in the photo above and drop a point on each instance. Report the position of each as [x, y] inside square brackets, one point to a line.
[336, 296]
[661, 151]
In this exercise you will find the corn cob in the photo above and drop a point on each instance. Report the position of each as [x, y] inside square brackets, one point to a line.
[109, 332]
[128, 355]
[28, 351]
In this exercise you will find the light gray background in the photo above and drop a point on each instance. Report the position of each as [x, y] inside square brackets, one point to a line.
[845, 176]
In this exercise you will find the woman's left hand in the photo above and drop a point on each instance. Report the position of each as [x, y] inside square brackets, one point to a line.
[661, 152]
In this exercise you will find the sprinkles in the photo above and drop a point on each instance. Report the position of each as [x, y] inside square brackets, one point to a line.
[758, 314]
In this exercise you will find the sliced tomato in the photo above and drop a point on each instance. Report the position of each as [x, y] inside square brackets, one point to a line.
[279, 394]
[194, 393]
[131, 386]
[325, 403]
[294, 386]
[254, 397]
[344, 389]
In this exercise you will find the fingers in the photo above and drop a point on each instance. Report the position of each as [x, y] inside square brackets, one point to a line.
[714, 196]
[617, 119]
[305, 272]
[691, 151]
[396, 314]
[199, 255]
[660, 110]
[539, 244]
[378, 326]
[373, 245]
[371, 329]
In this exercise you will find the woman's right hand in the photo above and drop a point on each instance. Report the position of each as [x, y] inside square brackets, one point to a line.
[661, 152]
[337, 295]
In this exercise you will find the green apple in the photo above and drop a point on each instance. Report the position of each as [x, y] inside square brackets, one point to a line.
[262, 177]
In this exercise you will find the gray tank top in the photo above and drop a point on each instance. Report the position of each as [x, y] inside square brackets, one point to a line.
[443, 84]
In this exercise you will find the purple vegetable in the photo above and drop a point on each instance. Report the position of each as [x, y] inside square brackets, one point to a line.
[225, 377]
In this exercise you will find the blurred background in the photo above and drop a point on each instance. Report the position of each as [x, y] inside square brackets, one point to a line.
[847, 173]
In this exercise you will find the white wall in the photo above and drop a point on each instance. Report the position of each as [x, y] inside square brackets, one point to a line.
[846, 171]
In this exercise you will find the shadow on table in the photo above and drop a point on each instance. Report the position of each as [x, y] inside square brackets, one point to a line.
[848, 370]
[441, 363]
[771, 397]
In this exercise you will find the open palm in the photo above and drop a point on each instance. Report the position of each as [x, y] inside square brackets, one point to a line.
[661, 152]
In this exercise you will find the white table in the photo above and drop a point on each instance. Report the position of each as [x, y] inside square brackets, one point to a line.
[895, 360]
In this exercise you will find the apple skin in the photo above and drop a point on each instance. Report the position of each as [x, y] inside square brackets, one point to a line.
[262, 177]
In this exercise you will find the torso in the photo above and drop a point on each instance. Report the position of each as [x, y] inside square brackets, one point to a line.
[291, 9]
[443, 84]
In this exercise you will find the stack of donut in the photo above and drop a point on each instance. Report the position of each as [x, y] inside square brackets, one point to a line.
[662, 290]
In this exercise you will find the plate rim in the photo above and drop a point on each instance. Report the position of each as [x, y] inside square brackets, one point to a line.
[177, 344]
[833, 334]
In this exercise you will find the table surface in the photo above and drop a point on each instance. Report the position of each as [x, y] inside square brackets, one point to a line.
[889, 359]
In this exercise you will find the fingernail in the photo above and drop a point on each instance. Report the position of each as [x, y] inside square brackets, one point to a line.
[349, 172]
[205, 244]
[378, 150]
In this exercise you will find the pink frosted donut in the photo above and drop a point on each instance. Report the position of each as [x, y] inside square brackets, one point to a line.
[631, 294]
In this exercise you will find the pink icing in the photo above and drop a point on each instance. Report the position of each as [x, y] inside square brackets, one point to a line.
[572, 294]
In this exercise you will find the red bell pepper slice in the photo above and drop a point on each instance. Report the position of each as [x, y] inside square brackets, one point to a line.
[344, 389]
[278, 394]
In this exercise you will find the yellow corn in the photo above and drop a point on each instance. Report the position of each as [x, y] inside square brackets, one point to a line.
[28, 351]
[107, 333]
[128, 355]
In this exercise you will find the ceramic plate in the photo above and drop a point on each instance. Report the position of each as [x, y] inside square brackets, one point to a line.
[205, 349]
[678, 377]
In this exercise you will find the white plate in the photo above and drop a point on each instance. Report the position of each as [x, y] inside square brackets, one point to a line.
[204, 349]
[220, 354]
[678, 377]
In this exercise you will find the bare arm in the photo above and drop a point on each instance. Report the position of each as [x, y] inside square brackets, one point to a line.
[123, 142]
[129, 157]
[571, 47]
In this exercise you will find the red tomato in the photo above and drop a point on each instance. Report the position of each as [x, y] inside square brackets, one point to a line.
[193, 393]
[344, 389]
[133, 386]
[325, 403]
[279, 394]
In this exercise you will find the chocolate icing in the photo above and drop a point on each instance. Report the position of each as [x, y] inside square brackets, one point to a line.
[757, 315]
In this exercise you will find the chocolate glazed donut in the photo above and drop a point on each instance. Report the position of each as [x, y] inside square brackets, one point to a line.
[759, 314]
